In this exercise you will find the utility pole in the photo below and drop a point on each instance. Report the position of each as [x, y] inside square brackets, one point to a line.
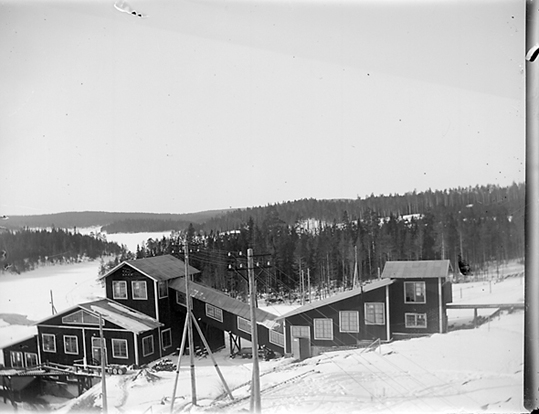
[190, 325]
[531, 313]
[302, 280]
[309, 283]
[103, 363]
[255, 382]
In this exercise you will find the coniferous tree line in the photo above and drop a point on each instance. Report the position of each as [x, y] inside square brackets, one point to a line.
[482, 226]
[26, 249]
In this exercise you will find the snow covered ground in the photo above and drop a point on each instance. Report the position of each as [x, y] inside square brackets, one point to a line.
[472, 370]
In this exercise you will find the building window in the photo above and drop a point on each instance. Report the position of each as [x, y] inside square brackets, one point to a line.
[415, 320]
[300, 331]
[119, 289]
[214, 313]
[162, 286]
[119, 348]
[139, 290]
[375, 314]
[147, 345]
[16, 359]
[276, 338]
[31, 359]
[244, 325]
[49, 342]
[71, 345]
[323, 329]
[349, 321]
[414, 292]
[166, 338]
[81, 317]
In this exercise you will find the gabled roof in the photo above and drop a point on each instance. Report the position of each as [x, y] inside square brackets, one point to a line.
[420, 269]
[113, 312]
[224, 302]
[158, 267]
[338, 297]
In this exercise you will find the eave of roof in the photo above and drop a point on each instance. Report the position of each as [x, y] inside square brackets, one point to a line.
[158, 268]
[338, 297]
[225, 302]
[420, 269]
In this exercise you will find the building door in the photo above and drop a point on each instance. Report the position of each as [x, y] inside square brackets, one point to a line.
[300, 331]
[96, 351]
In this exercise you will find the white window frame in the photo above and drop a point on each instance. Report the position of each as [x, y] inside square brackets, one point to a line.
[159, 285]
[349, 328]
[76, 345]
[375, 305]
[53, 351]
[26, 357]
[415, 315]
[241, 321]
[119, 341]
[300, 331]
[214, 312]
[169, 331]
[83, 314]
[144, 353]
[133, 282]
[276, 338]
[415, 291]
[21, 356]
[316, 328]
[119, 282]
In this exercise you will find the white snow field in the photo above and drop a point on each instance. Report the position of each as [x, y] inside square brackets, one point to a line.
[467, 370]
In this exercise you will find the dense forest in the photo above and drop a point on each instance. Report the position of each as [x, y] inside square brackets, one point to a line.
[26, 249]
[481, 226]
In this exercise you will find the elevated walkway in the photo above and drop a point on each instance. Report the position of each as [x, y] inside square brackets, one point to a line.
[476, 306]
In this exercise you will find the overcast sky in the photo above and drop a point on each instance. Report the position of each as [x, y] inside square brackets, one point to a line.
[214, 104]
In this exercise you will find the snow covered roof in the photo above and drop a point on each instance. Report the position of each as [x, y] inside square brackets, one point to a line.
[224, 302]
[158, 267]
[338, 297]
[416, 269]
[123, 316]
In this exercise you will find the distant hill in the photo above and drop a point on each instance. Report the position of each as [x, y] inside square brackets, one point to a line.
[82, 219]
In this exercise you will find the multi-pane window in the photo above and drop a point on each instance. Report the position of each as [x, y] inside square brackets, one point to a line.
[119, 289]
[415, 320]
[31, 359]
[81, 317]
[244, 325]
[323, 329]
[374, 313]
[16, 359]
[166, 338]
[276, 338]
[162, 286]
[349, 321]
[299, 331]
[147, 345]
[139, 289]
[414, 292]
[71, 345]
[119, 348]
[48, 342]
[214, 313]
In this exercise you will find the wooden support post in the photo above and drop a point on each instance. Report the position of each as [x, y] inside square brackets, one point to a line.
[212, 358]
[182, 349]
[475, 318]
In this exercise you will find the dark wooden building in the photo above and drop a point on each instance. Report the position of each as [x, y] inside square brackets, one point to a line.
[218, 310]
[345, 319]
[22, 354]
[72, 336]
[419, 296]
